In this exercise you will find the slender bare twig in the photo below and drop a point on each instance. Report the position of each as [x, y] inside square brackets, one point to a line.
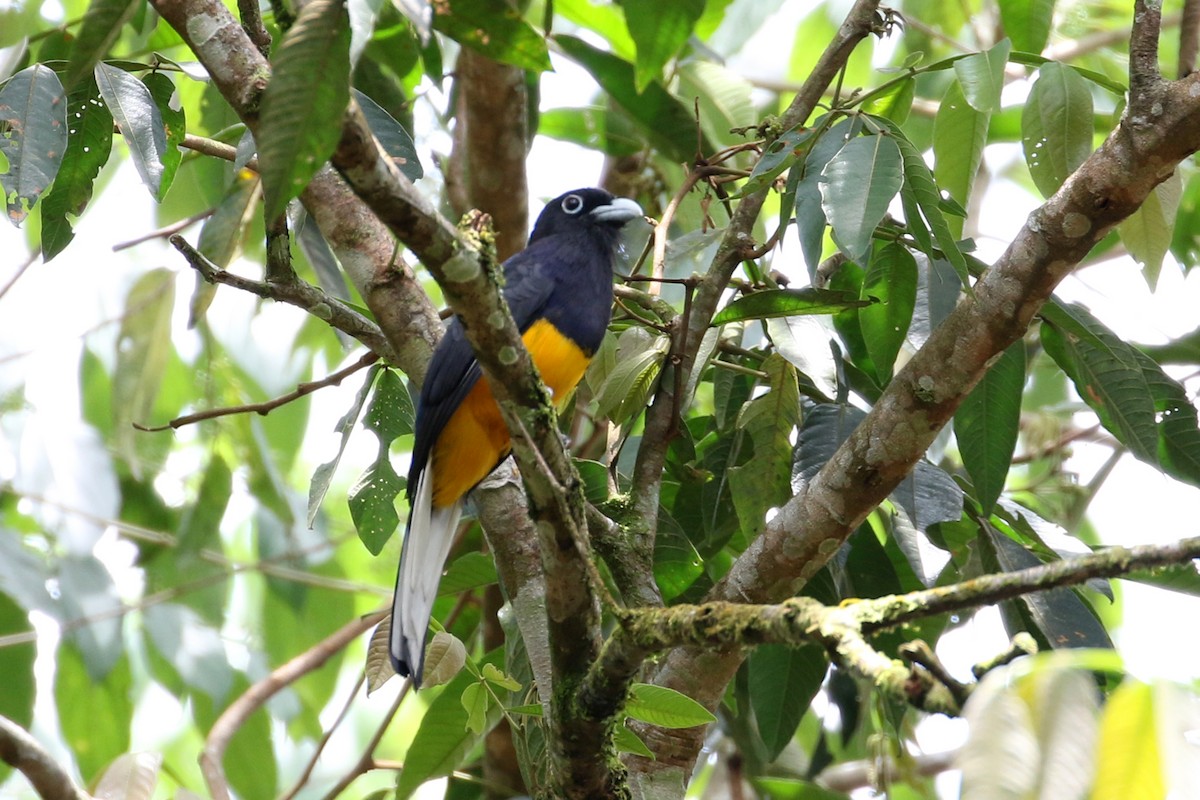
[267, 406]
[324, 740]
[252, 24]
[25, 754]
[26, 264]
[367, 761]
[253, 699]
[164, 232]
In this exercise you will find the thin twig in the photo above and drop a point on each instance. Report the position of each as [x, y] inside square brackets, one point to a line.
[267, 406]
[367, 761]
[253, 699]
[165, 232]
[252, 24]
[324, 740]
[20, 271]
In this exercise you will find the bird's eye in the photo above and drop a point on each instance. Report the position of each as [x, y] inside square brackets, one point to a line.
[572, 204]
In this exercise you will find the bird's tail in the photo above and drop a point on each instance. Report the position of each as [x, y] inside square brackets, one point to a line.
[423, 554]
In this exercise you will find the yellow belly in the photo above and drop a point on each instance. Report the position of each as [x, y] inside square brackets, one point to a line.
[475, 438]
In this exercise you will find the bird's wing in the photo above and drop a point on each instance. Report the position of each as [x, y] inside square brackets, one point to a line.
[454, 370]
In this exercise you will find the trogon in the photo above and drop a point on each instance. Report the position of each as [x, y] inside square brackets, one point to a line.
[559, 289]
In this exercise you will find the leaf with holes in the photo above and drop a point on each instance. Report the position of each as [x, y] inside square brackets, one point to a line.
[137, 117]
[33, 118]
[1056, 126]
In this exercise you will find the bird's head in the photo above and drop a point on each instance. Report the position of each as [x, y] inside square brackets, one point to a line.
[584, 209]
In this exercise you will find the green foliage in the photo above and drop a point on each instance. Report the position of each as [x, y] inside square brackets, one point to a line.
[184, 567]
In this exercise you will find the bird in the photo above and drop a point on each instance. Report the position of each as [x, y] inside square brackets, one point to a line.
[559, 289]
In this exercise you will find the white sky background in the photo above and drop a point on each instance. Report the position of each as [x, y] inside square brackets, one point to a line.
[46, 314]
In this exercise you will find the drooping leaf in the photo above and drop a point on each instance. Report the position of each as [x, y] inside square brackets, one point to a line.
[764, 482]
[640, 356]
[1000, 757]
[981, 76]
[810, 217]
[1106, 374]
[137, 117]
[892, 281]
[324, 473]
[1129, 757]
[132, 776]
[1147, 232]
[922, 191]
[94, 715]
[959, 135]
[1056, 126]
[1058, 617]
[1027, 23]
[89, 143]
[102, 23]
[372, 499]
[664, 120]
[825, 427]
[302, 107]
[857, 187]
[162, 90]
[396, 141]
[783, 683]
[1066, 714]
[987, 423]
[659, 30]
[787, 303]
[665, 707]
[192, 649]
[200, 525]
[469, 571]
[777, 156]
[16, 665]
[143, 350]
[494, 28]
[33, 116]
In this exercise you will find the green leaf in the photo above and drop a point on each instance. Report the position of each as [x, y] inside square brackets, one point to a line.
[982, 76]
[785, 151]
[221, 236]
[787, 303]
[469, 571]
[723, 95]
[665, 707]
[372, 499]
[394, 140]
[16, 665]
[1056, 126]
[665, 121]
[1027, 23]
[102, 23]
[303, 105]
[137, 117]
[677, 564]
[605, 19]
[920, 187]
[1106, 373]
[1129, 755]
[1183, 578]
[200, 526]
[1147, 232]
[475, 701]
[89, 143]
[626, 741]
[593, 127]
[1058, 617]
[895, 102]
[494, 28]
[442, 740]
[783, 682]
[33, 136]
[95, 716]
[659, 30]
[192, 650]
[765, 481]
[171, 114]
[1098, 78]
[857, 187]
[892, 281]
[959, 136]
[987, 423]
[143, 350]
[640, 356]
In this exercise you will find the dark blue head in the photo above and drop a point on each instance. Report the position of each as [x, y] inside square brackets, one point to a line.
[581, 210]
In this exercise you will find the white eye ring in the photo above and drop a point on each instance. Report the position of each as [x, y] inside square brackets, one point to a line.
[572, 204]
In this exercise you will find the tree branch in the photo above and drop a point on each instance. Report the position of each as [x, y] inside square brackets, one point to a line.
[25, 754]
[297, 293]
[232, 719]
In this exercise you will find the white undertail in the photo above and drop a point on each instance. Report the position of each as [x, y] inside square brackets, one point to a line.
[422, 556]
